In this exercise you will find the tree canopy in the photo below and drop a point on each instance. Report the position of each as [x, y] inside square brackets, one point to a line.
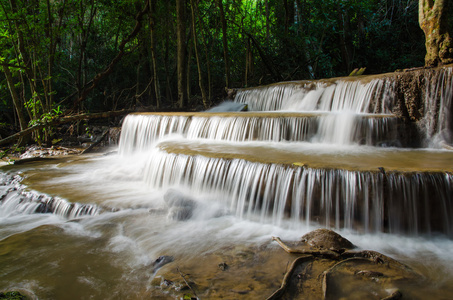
[65, 56]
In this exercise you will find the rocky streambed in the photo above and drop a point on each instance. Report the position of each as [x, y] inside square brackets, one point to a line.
[322, 265]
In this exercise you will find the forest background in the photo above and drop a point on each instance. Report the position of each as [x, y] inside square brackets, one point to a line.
[67, 57]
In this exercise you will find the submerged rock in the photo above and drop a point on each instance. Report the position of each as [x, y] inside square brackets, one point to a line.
[161, 261]
[228, 106]
[180, 206]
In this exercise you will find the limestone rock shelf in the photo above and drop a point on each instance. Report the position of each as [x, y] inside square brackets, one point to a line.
[140, 131]
[319, 156]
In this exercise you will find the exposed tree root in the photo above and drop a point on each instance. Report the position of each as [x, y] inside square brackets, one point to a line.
[327, 273]
[286, 279]
[367, 256]
[187, 283]
[322, 253]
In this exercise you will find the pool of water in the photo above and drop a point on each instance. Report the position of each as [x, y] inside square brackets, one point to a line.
[114, 253]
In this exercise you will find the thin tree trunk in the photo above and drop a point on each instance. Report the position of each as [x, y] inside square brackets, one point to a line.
[152, 20]
[26, 59]
[208, 59]
[267, 62]
[15, 96]
[226, 57]
[181, 52]
[267, 20]
[195, 42]
[188, 69]
[109, 69]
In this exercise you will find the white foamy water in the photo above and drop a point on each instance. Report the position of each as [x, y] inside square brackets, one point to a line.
[190, 185]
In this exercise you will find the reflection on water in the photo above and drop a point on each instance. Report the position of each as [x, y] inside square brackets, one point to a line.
[112, 255]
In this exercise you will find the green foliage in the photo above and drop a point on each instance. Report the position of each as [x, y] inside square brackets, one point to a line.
[68, 43]
[12, 296]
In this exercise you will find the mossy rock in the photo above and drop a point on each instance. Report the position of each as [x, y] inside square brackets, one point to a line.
[326, 239]
[12, 296]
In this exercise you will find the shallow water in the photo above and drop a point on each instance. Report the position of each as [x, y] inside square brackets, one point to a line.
[111, 254]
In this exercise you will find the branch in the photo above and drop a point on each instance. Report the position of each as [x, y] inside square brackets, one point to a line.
[322, 253]
[268, 63]
[63, 120]
[97, 142]
[116, 59]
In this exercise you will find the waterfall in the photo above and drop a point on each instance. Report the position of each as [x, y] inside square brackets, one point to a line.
[370, 201]
[15, 200]
[341, 95]
[141, 131]
[258, 163]
[438, 121]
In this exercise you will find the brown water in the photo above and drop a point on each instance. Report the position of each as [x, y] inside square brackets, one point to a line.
[111, 255]
[320, 156]
[111, 231]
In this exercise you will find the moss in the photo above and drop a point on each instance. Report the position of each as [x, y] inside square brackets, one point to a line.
[12, 296]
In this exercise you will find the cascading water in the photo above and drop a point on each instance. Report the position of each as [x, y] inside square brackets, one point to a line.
[342, 95]
[332, 115]
[187, 188]
[438, 106]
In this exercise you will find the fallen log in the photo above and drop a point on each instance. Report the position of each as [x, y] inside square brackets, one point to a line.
[63, 120]
[97, 142]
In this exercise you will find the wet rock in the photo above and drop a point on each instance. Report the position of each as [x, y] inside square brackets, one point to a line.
[228, 106]
[357, 274]
[35, 153]
[327, 239]
[223, 266]
[180, 206]
[369, 274]
[394, 296]
[161, 261]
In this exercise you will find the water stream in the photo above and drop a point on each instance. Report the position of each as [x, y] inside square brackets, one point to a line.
[187, 191]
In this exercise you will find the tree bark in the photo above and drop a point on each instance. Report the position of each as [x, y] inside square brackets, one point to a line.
[197, 56]
[226, 57]
[181, 52]
[152, 23]
[15, 96]
[29, 71]
[433, 22]
[266, 61]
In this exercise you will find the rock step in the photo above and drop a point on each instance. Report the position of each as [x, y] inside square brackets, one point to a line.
[319, 156]
[140, 131]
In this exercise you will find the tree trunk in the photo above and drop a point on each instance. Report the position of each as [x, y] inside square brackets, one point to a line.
[433, 22]
[197, 56]
[109, 69]
[29, 70]
[266, 3]
[206, 52]
[266, 61]
[15, 96]
[152, 19]
[225, 44]
[181, 52]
